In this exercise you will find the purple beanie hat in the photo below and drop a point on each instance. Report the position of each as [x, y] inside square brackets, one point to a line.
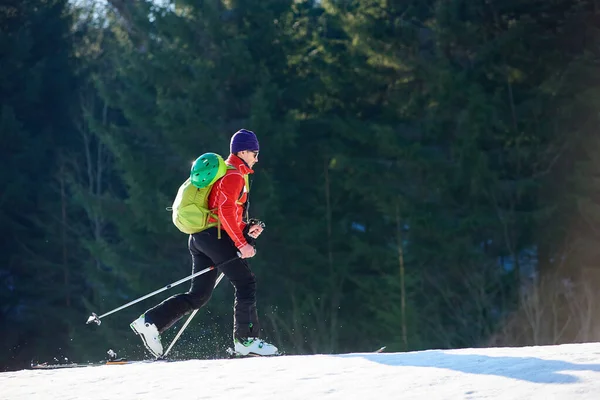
[243, 140]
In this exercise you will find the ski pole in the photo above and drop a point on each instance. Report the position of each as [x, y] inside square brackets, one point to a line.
[95, 318]
[187, 322]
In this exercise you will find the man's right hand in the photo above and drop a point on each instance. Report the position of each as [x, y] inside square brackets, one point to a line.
[247, 251]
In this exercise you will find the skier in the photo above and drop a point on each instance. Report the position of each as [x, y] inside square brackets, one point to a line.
[229, 195]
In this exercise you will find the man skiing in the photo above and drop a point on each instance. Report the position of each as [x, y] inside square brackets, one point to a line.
[229, 196]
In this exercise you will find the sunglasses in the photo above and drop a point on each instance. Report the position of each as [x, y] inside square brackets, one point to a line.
[255, 152]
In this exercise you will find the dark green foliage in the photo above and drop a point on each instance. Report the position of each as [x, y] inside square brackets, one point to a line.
[423, 166]
[37, 87]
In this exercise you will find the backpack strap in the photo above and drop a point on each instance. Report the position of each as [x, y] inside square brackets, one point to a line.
[247, 204]
[246, 188]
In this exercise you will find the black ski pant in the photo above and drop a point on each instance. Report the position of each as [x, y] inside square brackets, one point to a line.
[207, 249]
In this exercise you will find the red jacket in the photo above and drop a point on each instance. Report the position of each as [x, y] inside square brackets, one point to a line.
[225, 197]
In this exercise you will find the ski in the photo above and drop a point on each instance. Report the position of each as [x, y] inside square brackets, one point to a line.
[231, 354]
[57, 366]
[96, 364]
[112, 360]
[234, 354]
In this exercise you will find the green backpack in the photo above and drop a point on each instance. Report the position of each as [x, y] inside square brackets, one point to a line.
[190, 208]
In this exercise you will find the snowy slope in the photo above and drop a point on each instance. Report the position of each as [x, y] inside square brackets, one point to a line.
[555, 372]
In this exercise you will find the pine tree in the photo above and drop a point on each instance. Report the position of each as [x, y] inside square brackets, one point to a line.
[36, 103]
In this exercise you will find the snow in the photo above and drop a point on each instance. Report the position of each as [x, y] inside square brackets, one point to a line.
[545, 372]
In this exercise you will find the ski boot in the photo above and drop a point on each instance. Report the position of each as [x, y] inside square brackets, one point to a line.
[253, 347]
[149, 334]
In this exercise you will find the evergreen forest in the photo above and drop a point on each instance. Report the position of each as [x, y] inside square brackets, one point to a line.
[429, 170]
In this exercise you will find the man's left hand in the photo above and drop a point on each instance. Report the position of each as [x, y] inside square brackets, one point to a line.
[255, 230]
